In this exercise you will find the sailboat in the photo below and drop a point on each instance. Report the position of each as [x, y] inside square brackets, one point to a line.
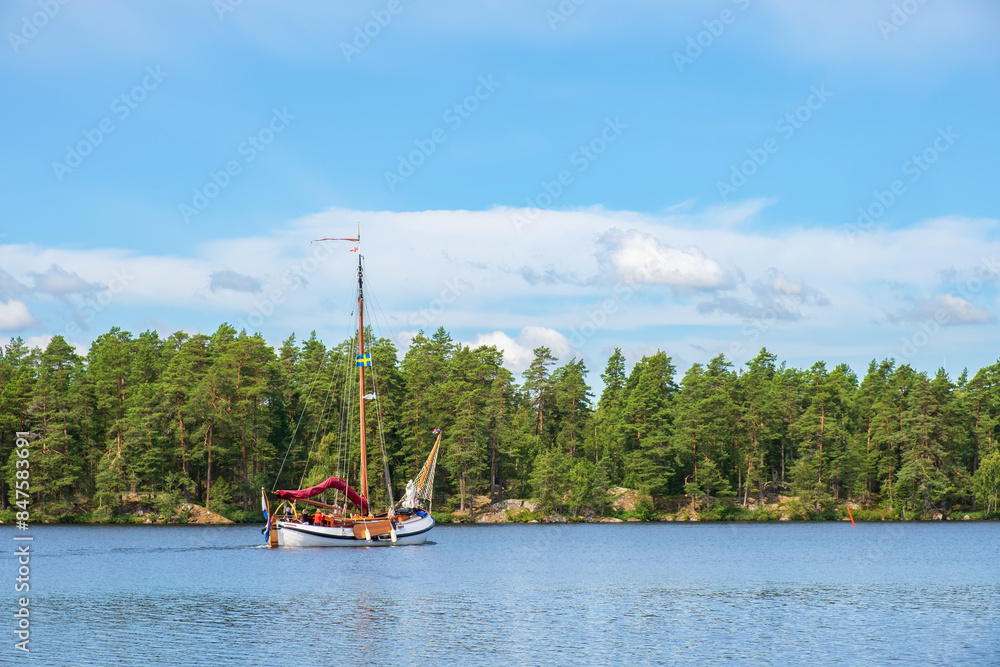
[354, 523]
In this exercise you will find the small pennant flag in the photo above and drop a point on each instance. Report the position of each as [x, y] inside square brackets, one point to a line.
[437, 430]
[363, 360]
[355, 240]
[354, 249]
[369, 396]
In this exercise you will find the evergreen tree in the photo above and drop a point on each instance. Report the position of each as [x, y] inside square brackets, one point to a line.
[537, 385]
[17, 381]
[865, 452]
[609, 438]
[211, 418]
[550, 479]
[760, 419]
[649, 394]
[704, 418]
[54, 413]
[183, 374]
[425, 368]
[987, 481]
[925, 447]
[467, 391]
[571, 403]
[108, 371]
[821, 435]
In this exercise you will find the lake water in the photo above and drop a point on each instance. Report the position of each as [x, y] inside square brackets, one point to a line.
[821, 593]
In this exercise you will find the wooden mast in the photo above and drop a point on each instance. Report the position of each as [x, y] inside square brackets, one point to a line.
[361, 366]
[427, 466]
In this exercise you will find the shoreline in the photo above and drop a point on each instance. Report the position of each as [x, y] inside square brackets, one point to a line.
[566, 522]
[624, 506]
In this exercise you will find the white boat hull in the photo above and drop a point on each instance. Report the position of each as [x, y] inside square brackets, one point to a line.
[293, 534]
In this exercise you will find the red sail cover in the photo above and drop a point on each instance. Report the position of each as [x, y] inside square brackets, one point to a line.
[331, 483]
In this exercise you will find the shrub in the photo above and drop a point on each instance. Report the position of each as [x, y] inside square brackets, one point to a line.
[524, 516]
[644, 510]
[442, 517]
[239, 515]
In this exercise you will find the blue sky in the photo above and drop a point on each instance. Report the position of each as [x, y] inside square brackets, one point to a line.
[684, 176]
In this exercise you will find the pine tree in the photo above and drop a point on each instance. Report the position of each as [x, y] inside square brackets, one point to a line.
[498, 413]
[253, 393]
[789, 387]
[187, 366]
[143, 437]
[865, 450]
[609, 438]
[821, 435]
[425, 368]
[466, 390]
[571, 403]
[17, 381]
[538, 386]
[924, 452]
[704, 416]
[55, 467]
[649, 394]
[550, 478]
[109, 366]
[986, 482]
[983, 401]
[759, 418]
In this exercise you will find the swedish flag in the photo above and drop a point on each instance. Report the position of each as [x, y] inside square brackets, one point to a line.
[363, 360]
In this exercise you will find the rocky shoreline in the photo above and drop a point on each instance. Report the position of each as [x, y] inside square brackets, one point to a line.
[626, 506]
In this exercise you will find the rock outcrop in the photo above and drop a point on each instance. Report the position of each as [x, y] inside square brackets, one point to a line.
[199, 514]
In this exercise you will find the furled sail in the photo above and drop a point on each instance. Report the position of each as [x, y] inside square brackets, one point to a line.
[330, 483]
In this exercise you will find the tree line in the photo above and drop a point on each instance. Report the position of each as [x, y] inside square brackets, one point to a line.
[210, 420]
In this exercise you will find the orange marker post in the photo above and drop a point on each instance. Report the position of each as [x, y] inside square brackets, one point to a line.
[850, 515]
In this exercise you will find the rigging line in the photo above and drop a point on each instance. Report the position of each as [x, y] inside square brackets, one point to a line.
[347, 349]
[385, 320]
[323, 419]
[295, 431]
[381, 434]
[315, 381]
[323, 416]
[378, 403]
[345, 354]
[345, 415]
[321, 424]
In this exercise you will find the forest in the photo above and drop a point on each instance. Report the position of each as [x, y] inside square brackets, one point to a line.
[209, 419]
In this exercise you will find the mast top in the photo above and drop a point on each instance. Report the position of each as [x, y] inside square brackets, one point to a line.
[357, 249]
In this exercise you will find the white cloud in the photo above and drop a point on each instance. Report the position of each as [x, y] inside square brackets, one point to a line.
[231, 280]
[15, 316]
[958, 310]
[642, 259]
[59, 282]
[773, 298]
[469, 271]
[782, 284]
[9, 285]
[517, 354]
